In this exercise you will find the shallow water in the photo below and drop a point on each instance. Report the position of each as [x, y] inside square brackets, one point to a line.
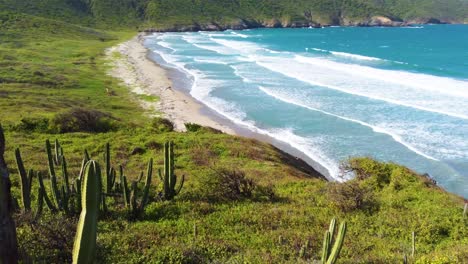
[395, 94]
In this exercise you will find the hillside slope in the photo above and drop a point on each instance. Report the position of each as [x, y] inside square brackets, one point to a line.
[239, 13]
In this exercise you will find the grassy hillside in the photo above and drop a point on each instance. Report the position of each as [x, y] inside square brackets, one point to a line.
[247, 201]
[166, 13]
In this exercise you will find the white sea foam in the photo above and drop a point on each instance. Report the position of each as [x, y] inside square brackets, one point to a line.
[239, 34]
[355, 56]
[211, 61]
[419, 91]
[166, 45]
[287, 98]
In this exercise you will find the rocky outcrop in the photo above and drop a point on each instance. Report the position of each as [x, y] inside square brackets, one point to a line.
[239, 24]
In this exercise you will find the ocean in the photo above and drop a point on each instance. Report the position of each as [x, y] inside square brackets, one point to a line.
[394, 94]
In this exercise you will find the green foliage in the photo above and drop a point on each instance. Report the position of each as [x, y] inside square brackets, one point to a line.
[192, 127]
[167, 13]
[161, 125]
[83, 120]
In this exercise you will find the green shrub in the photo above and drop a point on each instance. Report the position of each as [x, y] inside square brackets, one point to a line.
[162, 125]
[83, 120]
[225, 185]
[192, 127]
[32, 125]
[351, 195]
[47, 240]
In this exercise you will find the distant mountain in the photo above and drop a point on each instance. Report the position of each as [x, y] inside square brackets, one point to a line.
[216, 14]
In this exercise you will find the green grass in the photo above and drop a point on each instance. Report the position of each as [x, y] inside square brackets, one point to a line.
[72, 72]
[50, 66]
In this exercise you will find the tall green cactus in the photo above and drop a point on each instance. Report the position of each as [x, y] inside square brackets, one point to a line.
[130, 194]
[149, 174]
[84, 248]
[330, 255]
[53, 177]
[24, 182]
[66, 182]
[58, 153]
[168, 177]
[49, 203]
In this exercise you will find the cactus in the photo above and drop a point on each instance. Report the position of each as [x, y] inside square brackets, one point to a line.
[133, 200]
[109, 183]
[24, 182]
[126, 192]
[168, 177]
[58, 153]
[53, 178]
[149, 173]
[130, 195]
[84, 248]
[66, 182]
[43, 190]
[330, 255]
[40, 203]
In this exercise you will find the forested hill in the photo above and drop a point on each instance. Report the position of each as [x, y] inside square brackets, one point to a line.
[215, 14]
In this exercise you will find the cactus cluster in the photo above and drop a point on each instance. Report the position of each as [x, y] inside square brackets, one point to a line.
[66, 193]
[330, 254]
[130, 195]
[168, 177]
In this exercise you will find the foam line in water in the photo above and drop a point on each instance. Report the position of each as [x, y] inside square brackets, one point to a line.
[345, 78]
[166, 45]
[376, 129]
[414, 80]
[239, 34]
[401, 88]
[355, 56]
[201, 89]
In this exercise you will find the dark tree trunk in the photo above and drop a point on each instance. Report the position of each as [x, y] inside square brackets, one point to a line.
[8, 242]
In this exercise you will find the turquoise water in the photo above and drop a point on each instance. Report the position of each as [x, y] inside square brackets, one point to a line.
[395, 94]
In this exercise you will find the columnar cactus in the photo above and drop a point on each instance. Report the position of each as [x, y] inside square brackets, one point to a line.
[149, 174]
[84, 248]
[49, 203]
[58, 153]
[130, 194]
[168, 177]
[330, 255]
[24, 182]
[53, 178]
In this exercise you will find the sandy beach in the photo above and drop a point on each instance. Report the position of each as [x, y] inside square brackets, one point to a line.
[145, 77]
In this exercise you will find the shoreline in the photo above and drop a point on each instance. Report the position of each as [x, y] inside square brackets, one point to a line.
[145, 76]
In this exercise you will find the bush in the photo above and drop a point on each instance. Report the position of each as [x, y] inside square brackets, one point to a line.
[192, 127]
[32, 125]
[233, 185]
[47, 240]
[162, 125]
[350, 196]
[83, 120]
[370, 170]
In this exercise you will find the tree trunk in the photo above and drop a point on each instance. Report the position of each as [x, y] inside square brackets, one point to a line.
[8, 243]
